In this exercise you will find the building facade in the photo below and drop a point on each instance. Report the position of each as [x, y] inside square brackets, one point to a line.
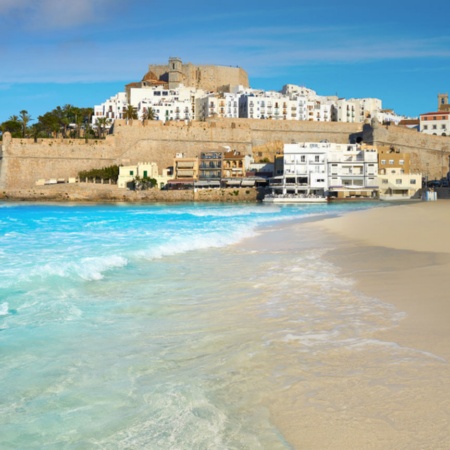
[436, 123]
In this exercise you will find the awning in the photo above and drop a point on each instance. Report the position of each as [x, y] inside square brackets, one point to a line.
[233, 182]
[248, 183]
[185, 172]
[214, 183]
[201, 183]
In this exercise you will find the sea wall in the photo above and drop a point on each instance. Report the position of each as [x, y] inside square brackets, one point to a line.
[89, 192]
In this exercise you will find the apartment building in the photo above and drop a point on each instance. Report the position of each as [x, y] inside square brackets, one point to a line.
[352, 171]
[185, 170]
[218, 105]
[395, 180]
[304, 170]
[437, 123]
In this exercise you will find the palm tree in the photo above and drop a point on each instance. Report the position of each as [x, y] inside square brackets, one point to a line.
[130, 113]
[102, 123]
[24, 119]
[149, 114]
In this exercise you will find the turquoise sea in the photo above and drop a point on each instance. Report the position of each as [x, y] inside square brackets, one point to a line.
[162, 326]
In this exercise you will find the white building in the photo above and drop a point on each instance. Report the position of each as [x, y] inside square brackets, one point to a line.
[355, 109]
[218, 105]
[305, 170]
[141, 170]
[437, 123]
[352, 171]
[112, 109]
[320, 168]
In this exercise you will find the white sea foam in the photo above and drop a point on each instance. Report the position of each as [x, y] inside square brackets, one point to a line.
[4, 309]
[184, 244]
[89, 268]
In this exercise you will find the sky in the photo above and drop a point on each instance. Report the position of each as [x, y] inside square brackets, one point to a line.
[81, 52]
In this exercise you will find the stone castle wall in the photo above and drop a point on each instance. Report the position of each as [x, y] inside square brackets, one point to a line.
[207, 77]
[25, 161]
[429, 154]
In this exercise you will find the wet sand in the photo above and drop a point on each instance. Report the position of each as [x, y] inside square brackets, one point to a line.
[399, 255]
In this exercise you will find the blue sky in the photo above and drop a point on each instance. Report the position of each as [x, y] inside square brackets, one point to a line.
[81, 52]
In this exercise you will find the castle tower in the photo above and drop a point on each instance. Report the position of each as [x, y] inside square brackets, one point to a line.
[443, 102]
[175, 72]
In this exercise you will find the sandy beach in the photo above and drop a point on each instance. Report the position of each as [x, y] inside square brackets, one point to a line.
[399, 255]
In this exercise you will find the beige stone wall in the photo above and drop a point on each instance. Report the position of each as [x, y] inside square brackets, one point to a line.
[207, 77]
[88, 192]
[429, 155]
[25, 161]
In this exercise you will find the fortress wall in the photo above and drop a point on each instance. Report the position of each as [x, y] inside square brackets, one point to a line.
[429, 154]
[207, 77]
[214, 77]
[158, 142]
[25, 161]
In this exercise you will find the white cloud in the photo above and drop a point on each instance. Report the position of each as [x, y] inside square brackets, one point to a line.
[54, 14]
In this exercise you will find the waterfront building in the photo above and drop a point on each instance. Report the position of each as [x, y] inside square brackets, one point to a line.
[185, 170]
[210, 168]
[324, 168]
[395, 180]
[352, 171]
[142, 170]
[304, 170]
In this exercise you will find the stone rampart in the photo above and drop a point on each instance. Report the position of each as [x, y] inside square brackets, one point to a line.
[101, 193]
[25, 161]
[429, 154]
[207, 77]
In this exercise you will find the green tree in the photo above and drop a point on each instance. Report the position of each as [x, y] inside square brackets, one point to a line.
[49, 124]
[130, 113]
[149, 114]
[25, 118]
[102, 123]
[13, 125]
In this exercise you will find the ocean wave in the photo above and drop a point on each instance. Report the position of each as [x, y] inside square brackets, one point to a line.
[184, 244]
[89, 268]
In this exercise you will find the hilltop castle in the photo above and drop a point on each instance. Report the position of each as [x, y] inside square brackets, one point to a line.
[205, 77]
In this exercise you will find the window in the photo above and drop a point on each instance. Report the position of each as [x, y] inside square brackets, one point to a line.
[383, 161]
[391, 161]
[425, 127]
[434, 127]
[131, 172]
[316, 158]
[401, 162]
[302, 158]
[145, 174]
[384, 181]
[443, 126]
[398, 181]
[413, 181]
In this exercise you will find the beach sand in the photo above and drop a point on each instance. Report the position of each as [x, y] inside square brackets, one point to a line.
[399, 255]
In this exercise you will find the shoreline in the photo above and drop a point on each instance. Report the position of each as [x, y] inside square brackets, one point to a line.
[398, 256]
[402, 256]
